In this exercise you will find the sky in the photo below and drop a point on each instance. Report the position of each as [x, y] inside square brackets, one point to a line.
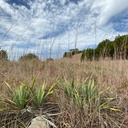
[51, 27]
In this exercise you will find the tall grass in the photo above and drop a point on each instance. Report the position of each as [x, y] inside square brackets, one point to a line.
[99, 101]
[70, 93]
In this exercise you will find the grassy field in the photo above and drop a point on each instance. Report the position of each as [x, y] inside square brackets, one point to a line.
[89, 94]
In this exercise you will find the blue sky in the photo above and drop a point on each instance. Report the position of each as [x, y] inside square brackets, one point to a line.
[40, 25]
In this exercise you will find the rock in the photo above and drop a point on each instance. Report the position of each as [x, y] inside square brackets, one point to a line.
[39, 122]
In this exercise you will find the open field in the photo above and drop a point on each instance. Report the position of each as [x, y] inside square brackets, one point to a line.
[107, 109]
[63, 64]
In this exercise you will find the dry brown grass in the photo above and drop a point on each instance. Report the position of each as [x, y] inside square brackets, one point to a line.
[105, 73]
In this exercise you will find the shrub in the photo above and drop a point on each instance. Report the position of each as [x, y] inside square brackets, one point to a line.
[90, 54]
[65, 54]
[68, 54]
[71, 52]
[83, 55]
[49, 59]
[3, 55]
[74, 51]
[29, 56]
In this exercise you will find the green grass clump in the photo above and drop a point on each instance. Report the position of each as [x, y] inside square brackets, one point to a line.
[25, 94]
[40, 94]
[86, 102]
[22, 99]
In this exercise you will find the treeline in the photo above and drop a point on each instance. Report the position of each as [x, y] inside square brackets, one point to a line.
[117, 49]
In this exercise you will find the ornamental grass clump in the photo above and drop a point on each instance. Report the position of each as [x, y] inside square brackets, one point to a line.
[40, 94]
[17, 98]
[80, 92]
[86, 104]
[12, 105]
[25, 95]
[23, 103]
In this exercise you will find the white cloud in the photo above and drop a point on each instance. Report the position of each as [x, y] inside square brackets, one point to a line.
[47, 19]
[108, 9]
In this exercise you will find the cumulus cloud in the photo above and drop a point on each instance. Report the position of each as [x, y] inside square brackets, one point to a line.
[39, 22]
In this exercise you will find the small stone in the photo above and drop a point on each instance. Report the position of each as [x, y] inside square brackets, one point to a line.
[38, 122]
